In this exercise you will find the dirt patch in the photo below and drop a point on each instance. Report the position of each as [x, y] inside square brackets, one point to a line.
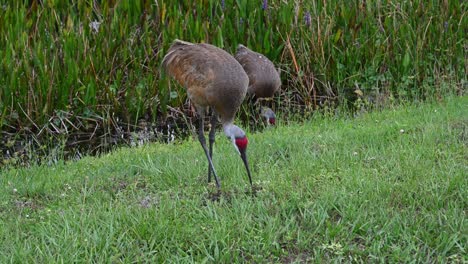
[460, 130]
[334, 215]
[255, 190]
[301, 257]
[216, 196]
[27, 204]
[360, 243]
[292, 253]
[149, 201]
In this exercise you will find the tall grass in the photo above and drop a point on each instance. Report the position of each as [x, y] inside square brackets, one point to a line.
[102, 58]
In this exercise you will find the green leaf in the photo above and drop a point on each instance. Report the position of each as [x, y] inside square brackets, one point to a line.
[406, 60]
[173, 95]
[337, 36]
[220, 37]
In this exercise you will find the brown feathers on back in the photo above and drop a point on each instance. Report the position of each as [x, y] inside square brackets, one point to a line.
[211, 76]
[264, 80]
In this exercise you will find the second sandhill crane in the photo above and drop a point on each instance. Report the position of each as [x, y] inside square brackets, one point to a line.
[264, 79]
[213, 78]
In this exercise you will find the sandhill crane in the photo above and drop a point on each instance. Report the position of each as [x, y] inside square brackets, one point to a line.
[264, 79]
[214, 79]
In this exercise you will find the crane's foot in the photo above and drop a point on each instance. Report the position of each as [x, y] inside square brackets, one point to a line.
[254, 190]
[214, 195]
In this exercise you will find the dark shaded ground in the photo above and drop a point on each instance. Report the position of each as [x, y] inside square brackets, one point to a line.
[70, 137]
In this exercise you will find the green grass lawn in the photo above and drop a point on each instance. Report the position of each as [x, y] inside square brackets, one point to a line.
[389, 186]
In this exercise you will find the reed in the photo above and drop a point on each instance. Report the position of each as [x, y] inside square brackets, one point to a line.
[102, 58]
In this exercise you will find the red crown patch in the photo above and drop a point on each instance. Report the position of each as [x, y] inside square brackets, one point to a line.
[242, 143]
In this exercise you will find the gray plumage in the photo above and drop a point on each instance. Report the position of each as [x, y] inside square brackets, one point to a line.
[264, 79]
[213, 78]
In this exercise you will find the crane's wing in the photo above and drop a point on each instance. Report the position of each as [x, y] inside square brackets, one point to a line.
[264, 79]
[247, 59]
[188, 63]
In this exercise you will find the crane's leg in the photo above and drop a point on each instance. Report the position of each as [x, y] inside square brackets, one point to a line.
[201, 138]
[211, 138]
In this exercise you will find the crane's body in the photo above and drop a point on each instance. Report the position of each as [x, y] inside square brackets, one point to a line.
[213, 78]
[264, 79]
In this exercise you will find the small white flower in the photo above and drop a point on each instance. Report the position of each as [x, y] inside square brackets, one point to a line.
[355, 153]
[27, 216]
[94, 25]
[15, 190]
[402, 131]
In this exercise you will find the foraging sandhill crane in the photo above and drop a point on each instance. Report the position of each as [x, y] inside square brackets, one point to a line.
[264, 79]
[214, 79]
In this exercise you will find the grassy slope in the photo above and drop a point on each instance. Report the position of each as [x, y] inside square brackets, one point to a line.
[344, 189]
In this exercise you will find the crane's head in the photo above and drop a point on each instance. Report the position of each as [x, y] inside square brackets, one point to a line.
[269, 115]
[240, 142]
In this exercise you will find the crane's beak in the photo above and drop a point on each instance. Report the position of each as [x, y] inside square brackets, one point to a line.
[246, 163]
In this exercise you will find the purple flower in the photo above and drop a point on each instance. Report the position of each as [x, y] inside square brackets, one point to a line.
[223, 4]
[446, 26]
[307, 18]
[265, 4]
